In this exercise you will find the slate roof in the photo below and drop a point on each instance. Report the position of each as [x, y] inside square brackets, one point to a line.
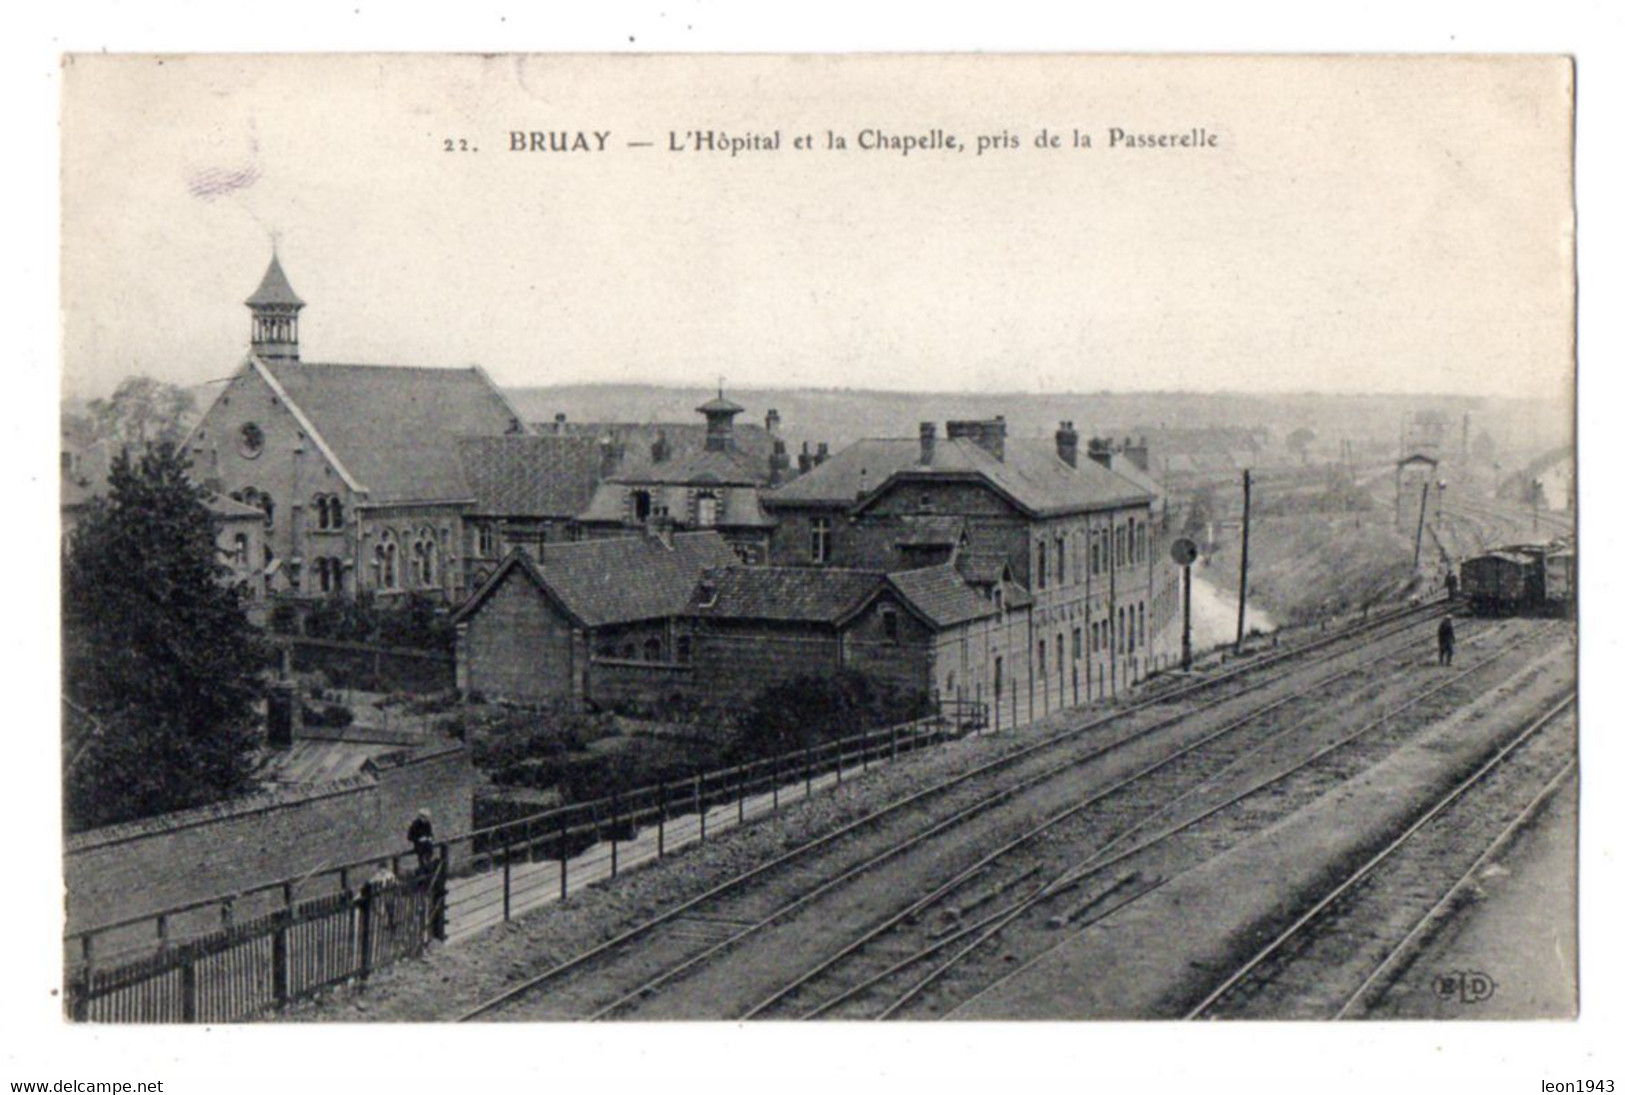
[274, 288]
[789, 594]
[618, 580]
[1031, 475]
[396, 428]
[523, 475]
[982, 567]
[700, 467]
[941, 595]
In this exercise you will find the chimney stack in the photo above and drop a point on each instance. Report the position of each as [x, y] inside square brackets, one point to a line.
[1066, 444]
[1100, 451]
[928, 442]
[778, 465]
[986, 433]
[804, 461]
[823, 453]
[1138, 454]
[608, 457]
[558, 422]
[772, 420]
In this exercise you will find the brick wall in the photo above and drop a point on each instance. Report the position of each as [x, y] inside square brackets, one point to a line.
[734, 661]
[156, 863]
[616, 681]
[518, 646]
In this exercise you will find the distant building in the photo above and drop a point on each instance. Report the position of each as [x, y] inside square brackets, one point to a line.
[716, 486]
[356, 469]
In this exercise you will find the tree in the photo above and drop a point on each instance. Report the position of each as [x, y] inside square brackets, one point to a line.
[141, 411]
[157, 651]
[1299, 441]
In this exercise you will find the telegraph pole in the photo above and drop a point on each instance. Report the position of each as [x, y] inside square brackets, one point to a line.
[1183, 551]
[1421, 521]
[1246, 535]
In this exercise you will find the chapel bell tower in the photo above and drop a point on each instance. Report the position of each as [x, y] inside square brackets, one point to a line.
[275, 307]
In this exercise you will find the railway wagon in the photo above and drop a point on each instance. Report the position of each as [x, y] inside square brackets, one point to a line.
[1503, 582]
[1560, 591]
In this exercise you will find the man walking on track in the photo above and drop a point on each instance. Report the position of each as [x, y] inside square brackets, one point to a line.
[1447, 640]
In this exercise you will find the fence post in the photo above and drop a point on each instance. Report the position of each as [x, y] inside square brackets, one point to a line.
[364, 906]
[507, 877]
[189, 991]
[806, 767]
[279, 959]
[660, 826]
[614, 834]
[442, 884]
[79, 996]
[564, 858]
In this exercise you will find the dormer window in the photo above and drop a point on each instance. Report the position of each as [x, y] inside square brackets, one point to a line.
[888, 624]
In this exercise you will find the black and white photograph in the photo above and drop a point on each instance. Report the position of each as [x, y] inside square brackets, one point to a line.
[1054, 543]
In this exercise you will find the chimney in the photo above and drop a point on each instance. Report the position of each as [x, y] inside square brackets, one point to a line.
[804, 461]
[660, 451]
[772, 420]
[1138, 454]
[928, 442]
[558, 422]
[778, 465]
[986, 433]
[514, 426]
[284, 718]
[823, 453]
[1066, 444]
[608, 457]
[1100, 451]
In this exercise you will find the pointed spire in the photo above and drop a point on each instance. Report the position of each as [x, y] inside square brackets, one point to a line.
[274, 288]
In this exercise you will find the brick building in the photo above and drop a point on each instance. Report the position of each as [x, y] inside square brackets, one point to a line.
[527, 490]
[551, 630]
[1076, 532]
[715, 486]
[356, 468]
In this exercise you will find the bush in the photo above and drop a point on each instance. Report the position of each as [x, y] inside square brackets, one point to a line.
[813, 709]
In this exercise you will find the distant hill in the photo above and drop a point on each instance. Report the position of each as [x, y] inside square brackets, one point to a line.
[841, 416]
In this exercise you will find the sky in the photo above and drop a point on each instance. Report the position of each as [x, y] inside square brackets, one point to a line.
[1360, 225]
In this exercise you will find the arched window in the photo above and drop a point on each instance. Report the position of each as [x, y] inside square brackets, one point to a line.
[1042, 565]
[386, 561]
[1060, 560]
[425, 560]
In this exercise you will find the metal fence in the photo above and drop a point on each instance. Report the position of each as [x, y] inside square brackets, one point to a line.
[239, 971]
[136, 969]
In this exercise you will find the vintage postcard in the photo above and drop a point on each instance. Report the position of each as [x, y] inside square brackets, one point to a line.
[1053, 537]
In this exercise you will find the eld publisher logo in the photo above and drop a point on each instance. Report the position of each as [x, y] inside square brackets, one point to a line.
[1464, 986]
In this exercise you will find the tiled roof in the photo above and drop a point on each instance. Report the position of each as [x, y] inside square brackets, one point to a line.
[941, 595]
[618, 580]
[983, 567]
[1031, 474]
[791, 594]
[395, 428]
[699, 467]
[522, 475]
[274, 288]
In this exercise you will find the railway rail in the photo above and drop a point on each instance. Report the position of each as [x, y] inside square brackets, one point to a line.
[1286, 974]
[855, 979]
[689, 917]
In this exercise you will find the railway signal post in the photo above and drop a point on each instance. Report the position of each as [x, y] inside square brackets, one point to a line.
[1183, 551]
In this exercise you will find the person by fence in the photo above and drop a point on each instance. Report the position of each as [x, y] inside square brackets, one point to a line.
[420, 835]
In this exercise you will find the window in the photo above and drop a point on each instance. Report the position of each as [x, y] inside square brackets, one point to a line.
[652, 651]
[642, 505]
[425, 560]
[329, 512]
[386, 561]
[820, 539]
[888, 624]
[1118, 547]
[998, 677]
[487, 546]
[1042, 566]
[1142, 623]
[706, 504]
[1131, 629]
[1043, 660]
[1060, 653]
[1094, 552]
[239, 549]
[251, 440]
[329, 574]
[1060, 560]
[1077, 643]
[1120, 625]
[685, 649]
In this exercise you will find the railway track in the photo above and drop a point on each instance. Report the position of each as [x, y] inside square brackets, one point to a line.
[708, 925]
[1335, 959]
[895, 968]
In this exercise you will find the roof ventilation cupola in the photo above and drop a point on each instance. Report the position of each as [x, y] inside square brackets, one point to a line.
[275, 307]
